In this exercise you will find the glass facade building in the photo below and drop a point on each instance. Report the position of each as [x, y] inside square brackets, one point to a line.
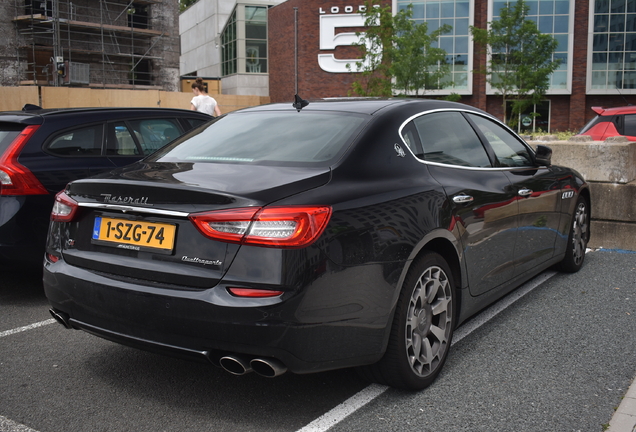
[244, 41]
[553, 17]
[459, 15]
[613, 47]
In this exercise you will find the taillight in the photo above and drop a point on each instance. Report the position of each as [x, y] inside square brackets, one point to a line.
[15, 178]
[282, 227]
[64, 208]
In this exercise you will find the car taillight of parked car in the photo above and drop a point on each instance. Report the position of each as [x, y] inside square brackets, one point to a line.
[64, 208]
[15, 178]
[282, 227]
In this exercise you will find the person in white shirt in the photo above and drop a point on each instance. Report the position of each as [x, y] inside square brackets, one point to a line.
[203, 102]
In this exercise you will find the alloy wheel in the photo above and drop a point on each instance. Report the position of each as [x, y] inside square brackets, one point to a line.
[429, 321]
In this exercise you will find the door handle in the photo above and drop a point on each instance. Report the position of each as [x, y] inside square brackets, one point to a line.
[462, 199]
[525, 192]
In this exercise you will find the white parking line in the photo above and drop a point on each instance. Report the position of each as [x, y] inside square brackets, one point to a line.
[7, 425]
[363, 397]
[25, 328]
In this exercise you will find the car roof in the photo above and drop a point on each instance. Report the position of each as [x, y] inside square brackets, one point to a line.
[631, 109]
[33, 112]
[360, 105]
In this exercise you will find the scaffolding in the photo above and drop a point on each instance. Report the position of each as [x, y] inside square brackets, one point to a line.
[104, 43]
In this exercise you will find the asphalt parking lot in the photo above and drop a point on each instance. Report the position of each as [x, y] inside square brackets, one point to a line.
[558, 354]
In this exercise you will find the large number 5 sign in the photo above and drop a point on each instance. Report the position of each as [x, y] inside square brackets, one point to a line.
[329, 40]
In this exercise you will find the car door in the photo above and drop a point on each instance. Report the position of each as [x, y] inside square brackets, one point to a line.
[130, 140]
[537, 192]
[481, 196]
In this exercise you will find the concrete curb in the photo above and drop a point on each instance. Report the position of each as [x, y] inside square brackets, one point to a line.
[624, 419]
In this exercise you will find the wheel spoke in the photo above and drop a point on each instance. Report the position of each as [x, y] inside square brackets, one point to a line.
[416, 344]
[427, 352]
[440, 306]
[439, 333]
[435, 286]
[411, 322]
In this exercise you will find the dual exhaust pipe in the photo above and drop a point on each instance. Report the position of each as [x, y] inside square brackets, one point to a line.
[233, 363]
[61, 318]
[241, 365]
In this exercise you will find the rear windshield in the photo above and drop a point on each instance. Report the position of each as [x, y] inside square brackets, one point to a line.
[589, 125]
[268, 138]
[8, 132]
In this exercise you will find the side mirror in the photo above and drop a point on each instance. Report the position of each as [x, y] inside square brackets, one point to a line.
[543, 155]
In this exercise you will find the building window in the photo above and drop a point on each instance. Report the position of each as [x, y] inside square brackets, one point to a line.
[534, 119]
[138, 16]
[244, 41]
[459, 15]
[612, 67]
[228, 47]
[553, 17]
[255, 39]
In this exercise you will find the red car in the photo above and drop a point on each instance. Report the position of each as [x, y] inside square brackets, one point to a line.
[612, 122]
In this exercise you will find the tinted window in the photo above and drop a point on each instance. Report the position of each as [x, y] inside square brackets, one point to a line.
[196, 122]
[268, 138]
[448, 138]
[408, 134]
[85, 141]
[153, 134]
[121, 141]
[630, 124]
[8, 132]
[509, 150]
[589, 125]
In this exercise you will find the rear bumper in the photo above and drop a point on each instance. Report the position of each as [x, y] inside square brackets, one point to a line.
[308, 331]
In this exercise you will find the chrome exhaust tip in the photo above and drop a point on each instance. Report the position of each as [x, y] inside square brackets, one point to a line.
[268, 367]
[61, 318]
[235, 364]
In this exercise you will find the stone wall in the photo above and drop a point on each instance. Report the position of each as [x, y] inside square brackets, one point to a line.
[610, 169]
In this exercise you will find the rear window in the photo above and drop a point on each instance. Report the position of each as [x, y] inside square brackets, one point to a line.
[589, 125]
[8, 132]
[269, 138]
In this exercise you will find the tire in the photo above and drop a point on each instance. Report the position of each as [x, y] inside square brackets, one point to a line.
[578, 238]
[422, 327]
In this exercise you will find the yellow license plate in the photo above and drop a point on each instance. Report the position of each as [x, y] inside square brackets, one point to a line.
[134, 235]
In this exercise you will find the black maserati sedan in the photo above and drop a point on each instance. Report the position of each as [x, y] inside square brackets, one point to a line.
[343, 233]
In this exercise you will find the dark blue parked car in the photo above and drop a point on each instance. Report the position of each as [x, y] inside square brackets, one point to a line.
[41, 150]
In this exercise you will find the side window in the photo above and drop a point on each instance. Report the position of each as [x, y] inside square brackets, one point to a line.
[152, 134]
[448, 138]
[86, 141]
[509, 150]
[120, 140]
[196, 122]
[408, 134]
[629, 124]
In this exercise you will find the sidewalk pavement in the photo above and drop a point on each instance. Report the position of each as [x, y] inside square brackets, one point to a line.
[624, 419]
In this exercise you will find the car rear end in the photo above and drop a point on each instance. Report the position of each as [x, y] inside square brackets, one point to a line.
[221, 261]
[21, 193]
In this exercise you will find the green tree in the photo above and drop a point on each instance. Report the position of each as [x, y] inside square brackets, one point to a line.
[184, 4]
[417, 63]
[375, 45]
[520, 58]
[398, 53]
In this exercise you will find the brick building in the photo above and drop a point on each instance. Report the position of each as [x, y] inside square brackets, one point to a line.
[310, 44]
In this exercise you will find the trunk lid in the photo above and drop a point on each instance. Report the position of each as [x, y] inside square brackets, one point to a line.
[133, 222]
